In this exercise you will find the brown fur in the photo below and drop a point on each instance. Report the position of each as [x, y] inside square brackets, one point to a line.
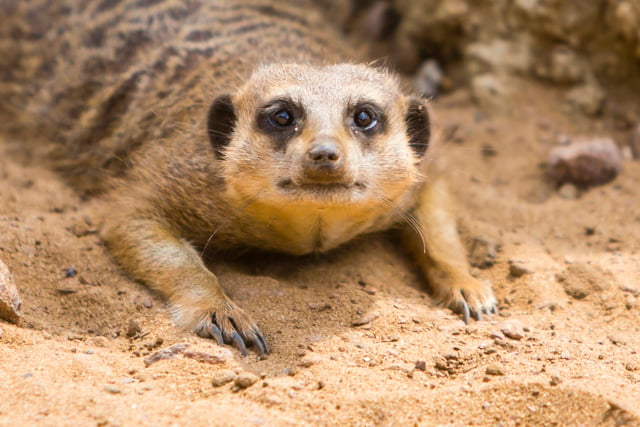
[190, 108]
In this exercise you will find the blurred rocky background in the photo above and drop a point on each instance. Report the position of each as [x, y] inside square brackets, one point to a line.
[590, 49]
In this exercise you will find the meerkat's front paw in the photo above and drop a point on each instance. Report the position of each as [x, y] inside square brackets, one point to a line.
[229, 324]
[471, 297]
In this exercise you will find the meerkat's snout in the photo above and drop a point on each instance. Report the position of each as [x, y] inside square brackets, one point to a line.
[323, 162]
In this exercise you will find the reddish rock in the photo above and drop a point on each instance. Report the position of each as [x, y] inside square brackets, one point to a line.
[9, 298]
[585, 163]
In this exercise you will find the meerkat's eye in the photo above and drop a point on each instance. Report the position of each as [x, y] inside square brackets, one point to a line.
[281, 118]
[366, 118]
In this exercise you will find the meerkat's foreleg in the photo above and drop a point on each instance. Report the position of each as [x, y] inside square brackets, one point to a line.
[152, 253]
[434, 242]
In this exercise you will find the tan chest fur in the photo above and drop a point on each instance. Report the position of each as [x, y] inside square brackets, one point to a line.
[302, 229]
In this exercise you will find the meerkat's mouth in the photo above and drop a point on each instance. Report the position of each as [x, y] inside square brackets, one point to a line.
[289, 186]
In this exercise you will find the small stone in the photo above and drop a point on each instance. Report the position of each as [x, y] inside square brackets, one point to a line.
[366, 318]
[497, 335]
[632, 367]
[204, 357]
[309, 360]
[513, 329]
[10, 302]
[630, 302]
[495, 369]
[165, 353]
[147, 302]
[555, 380]
[319, 306]
[488, 150]
[222, 377]
[70, 272]
[518, 268]
[421, 365]
[246, 379]
[585, 163]
[617, 340]
[112, 389]
[133, 328]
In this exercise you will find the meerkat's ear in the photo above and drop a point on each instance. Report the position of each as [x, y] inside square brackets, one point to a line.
[418, 126]
[220, 123]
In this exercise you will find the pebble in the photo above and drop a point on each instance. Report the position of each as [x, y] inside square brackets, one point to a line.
[165, 353]
[113, 389]
[133, 328]
[366, 318]
[518, 268]
[555, 380]
[495, 369]
[222, 377]
[147, 302]
[309, 360]
[632, 367]
[421, 365]
[204, 357]
[10, 302]
[245, 380]
[513, 329]
[497, 335]
[585, 162]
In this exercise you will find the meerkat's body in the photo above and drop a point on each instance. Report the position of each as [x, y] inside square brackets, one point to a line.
[227, 126]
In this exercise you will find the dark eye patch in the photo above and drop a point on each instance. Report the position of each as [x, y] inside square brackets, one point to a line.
[281, 119]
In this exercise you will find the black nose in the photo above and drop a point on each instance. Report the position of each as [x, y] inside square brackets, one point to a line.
[323, 153]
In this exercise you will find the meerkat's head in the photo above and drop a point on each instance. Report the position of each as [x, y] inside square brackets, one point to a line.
[339, 134]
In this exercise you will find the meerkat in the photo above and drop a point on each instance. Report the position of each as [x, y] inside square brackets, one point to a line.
[221, 126]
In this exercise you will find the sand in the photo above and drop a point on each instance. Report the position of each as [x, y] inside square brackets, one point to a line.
[563, 349]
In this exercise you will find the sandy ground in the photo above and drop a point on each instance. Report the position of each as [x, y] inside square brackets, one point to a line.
[574, 317]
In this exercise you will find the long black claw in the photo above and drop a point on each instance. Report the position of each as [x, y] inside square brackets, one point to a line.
[257, 344]
[265, 346]
[466, 314]
[238, 343]
[215, 333]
